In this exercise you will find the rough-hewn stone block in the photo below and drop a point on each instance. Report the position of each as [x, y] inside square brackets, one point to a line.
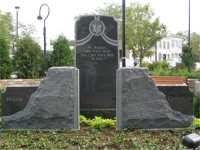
[141, 105]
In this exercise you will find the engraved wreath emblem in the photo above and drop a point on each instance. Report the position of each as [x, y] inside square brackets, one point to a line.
[96, 27]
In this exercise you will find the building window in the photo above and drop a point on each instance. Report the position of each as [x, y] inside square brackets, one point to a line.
[160, 56]
[179, 44]
[172, 43]
[160, 44]
[168, 45]
[164, 45]
[176, 42]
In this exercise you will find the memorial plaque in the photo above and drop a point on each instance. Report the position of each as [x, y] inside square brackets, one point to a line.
[97, 59]
[15, 98]
[180, 98]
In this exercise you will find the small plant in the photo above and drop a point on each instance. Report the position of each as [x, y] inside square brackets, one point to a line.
[97, 122]
[84, 120]
[196, 123]
[197, 106]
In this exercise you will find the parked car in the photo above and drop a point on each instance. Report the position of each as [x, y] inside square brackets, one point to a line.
[172, 63]
[13, 75]
[197, 60]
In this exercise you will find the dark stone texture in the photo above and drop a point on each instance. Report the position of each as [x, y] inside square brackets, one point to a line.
[55, 104]
[141, 105]
[179, 97]
[15, 98]
[97, 59]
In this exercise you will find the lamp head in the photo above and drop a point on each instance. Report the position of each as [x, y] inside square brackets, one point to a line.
[39, 17]
[17, 8]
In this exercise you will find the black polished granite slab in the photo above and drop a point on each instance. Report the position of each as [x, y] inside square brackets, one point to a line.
[15, 98]
[97, 58]
[180, 98]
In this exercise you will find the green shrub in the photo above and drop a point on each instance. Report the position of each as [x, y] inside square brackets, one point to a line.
[180, 66]
[160, 68]
[160, 72]
[193, 75]
[179, 72]
[84, 120]
[97, 122]
[158, 64]
[196, 123]
[145, 64]
[197, 106]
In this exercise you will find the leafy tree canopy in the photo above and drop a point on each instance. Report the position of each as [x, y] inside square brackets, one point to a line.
[142, 30]
[6, 25]
[183, 36]
[194, 41]
[28, 29]
[188, 58]
[5, 61]
[62, 54]
[28, 58]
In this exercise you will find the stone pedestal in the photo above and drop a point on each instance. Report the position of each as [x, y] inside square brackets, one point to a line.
[55, 104]
[141, 105]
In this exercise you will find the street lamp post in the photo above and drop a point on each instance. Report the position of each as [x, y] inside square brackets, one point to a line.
[17, 9]
[123, 34]
[189, 25]
[40, 18]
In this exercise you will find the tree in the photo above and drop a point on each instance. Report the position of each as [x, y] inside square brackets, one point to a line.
[142, 32]
[7, 28]
[195, 41]
[183, 36]
[6, 25]
[62, 54]
[28, 58]
[28, 29]
[188, 57]
[72, 43]
[5, 61]
[112, 9]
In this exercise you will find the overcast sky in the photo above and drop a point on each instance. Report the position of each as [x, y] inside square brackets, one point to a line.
[173, 13]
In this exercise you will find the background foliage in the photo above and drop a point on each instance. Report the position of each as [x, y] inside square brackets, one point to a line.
[197, 107]
[188, 57]
[5, 61]
[28, 58]
[61, 54]
[142, 30]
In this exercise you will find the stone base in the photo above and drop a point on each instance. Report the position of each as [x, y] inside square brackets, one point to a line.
[55, 104]
[141, 105]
